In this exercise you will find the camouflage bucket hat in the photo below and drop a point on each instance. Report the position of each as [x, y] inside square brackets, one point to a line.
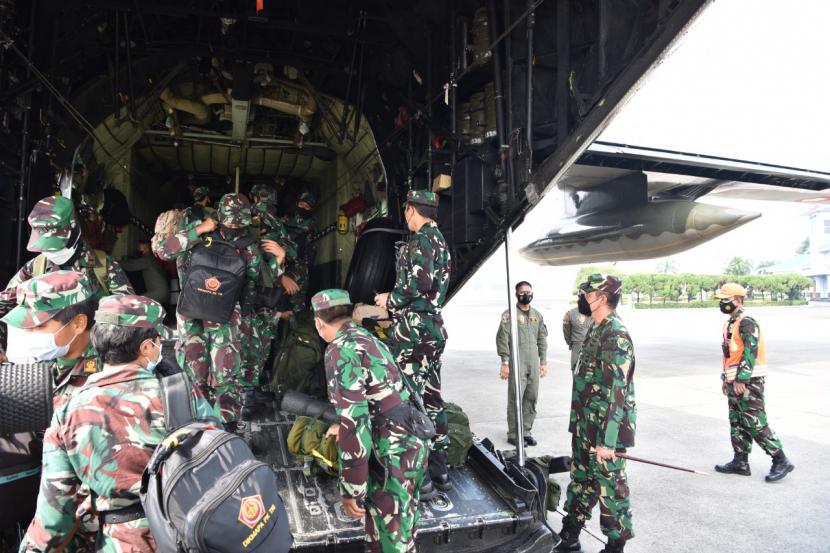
[200, 193]
[422, 197]
[43, 297]
[52, 220]
[601, 283]
[134, 311]
[234, 209]
[332, 297]
[266, 194]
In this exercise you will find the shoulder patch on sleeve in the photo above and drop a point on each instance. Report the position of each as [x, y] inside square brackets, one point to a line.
[505, 317]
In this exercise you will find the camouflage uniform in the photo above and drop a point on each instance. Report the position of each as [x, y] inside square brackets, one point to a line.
[363, 384]
[53, 223]
[418, 335]
[40, 300]
[209, 351]
[198, 212]
[102, 440]
[533, 348]
[300, 228]
[603, 413]
[258, 332]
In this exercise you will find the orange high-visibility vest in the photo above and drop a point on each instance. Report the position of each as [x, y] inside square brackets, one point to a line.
[735, 344]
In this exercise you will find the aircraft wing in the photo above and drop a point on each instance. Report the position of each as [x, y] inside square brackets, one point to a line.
[682, 175]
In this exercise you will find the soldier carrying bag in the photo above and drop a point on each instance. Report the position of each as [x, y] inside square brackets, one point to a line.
[204, 492]
[412, 414]
[215, 280]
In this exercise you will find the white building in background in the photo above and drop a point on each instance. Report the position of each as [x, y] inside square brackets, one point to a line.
[819, 269]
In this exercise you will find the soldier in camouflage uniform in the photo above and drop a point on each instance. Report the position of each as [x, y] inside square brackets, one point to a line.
[259, 332]
[418, 335]
[300, 227]
[603, 421]
[201, 208]
[53, 319]
[209, 351]
[531, 365]
[364, 382]
[56, 235]
[744, 373]
[102, 438]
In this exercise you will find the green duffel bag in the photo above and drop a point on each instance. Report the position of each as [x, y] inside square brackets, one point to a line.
[460, 436]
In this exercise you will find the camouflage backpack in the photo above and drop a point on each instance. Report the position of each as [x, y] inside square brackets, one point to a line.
[307, 440]
[460, 435]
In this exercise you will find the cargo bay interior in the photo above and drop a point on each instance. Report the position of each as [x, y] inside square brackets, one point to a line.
[357, 101]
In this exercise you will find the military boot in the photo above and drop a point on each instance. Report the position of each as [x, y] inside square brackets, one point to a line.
[614, 546]
[570, 538]
[439, 471]
[249, 404]
[781, 467]
[428, 491]
[738, 465]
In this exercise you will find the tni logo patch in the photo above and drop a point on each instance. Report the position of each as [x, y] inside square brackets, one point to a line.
[251, 510]
[212, 284]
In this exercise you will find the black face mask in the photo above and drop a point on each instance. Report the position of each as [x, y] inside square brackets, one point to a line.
[303, 212]
[525, 298]
[233, 233]
[727, 307]
[583, 306]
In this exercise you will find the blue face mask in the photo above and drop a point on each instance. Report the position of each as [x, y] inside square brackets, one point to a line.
[151, 365]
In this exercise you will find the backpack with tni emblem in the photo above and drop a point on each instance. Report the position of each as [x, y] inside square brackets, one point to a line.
[215, 280]
[204, 492]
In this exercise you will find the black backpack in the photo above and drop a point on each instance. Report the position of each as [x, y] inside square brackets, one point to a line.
[215, 280]
[204, 492]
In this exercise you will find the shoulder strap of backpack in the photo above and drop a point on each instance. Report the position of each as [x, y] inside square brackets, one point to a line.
[39, 265]
[100, 269]
[175, 397]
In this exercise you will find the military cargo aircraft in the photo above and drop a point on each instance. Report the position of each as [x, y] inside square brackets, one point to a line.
[125, 106]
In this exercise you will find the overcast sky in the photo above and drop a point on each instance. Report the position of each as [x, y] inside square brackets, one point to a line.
[749, 81]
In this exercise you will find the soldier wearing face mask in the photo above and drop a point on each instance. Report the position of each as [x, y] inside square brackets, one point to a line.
[56, 236]
[301, 226]
[575, 326]
[744, 372]
[532, 363]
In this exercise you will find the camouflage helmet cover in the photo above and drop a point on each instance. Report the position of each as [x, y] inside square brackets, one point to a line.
[134, 311]
[200, 193]
[52, 220]
[333, 297]
[266, 194]
[308, 198]
[234, 209]
[422, 197]
[41, 298]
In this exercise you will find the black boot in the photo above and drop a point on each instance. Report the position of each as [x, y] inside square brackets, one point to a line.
[570, 537]
[738, 465]
[614, 546]
[439, 471]
[428, 491]
[781, 467]
[249, 404]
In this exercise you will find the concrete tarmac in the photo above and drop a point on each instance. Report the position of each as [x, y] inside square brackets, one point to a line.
[682, 420]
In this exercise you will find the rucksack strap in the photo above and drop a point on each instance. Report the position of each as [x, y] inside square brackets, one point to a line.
[175, 397]
[39, 265]
[100, 269]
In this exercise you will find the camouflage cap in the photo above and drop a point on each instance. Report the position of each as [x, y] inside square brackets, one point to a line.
[332, 297]
[134, 311]
[730, 290]
[308, 198]
[41, 298]
[52, 220]
[200, 193]
[234, 209]
[601, 283]
[266, 194]
[422, 197]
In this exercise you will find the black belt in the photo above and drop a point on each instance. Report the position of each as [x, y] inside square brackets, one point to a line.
[127, 514]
